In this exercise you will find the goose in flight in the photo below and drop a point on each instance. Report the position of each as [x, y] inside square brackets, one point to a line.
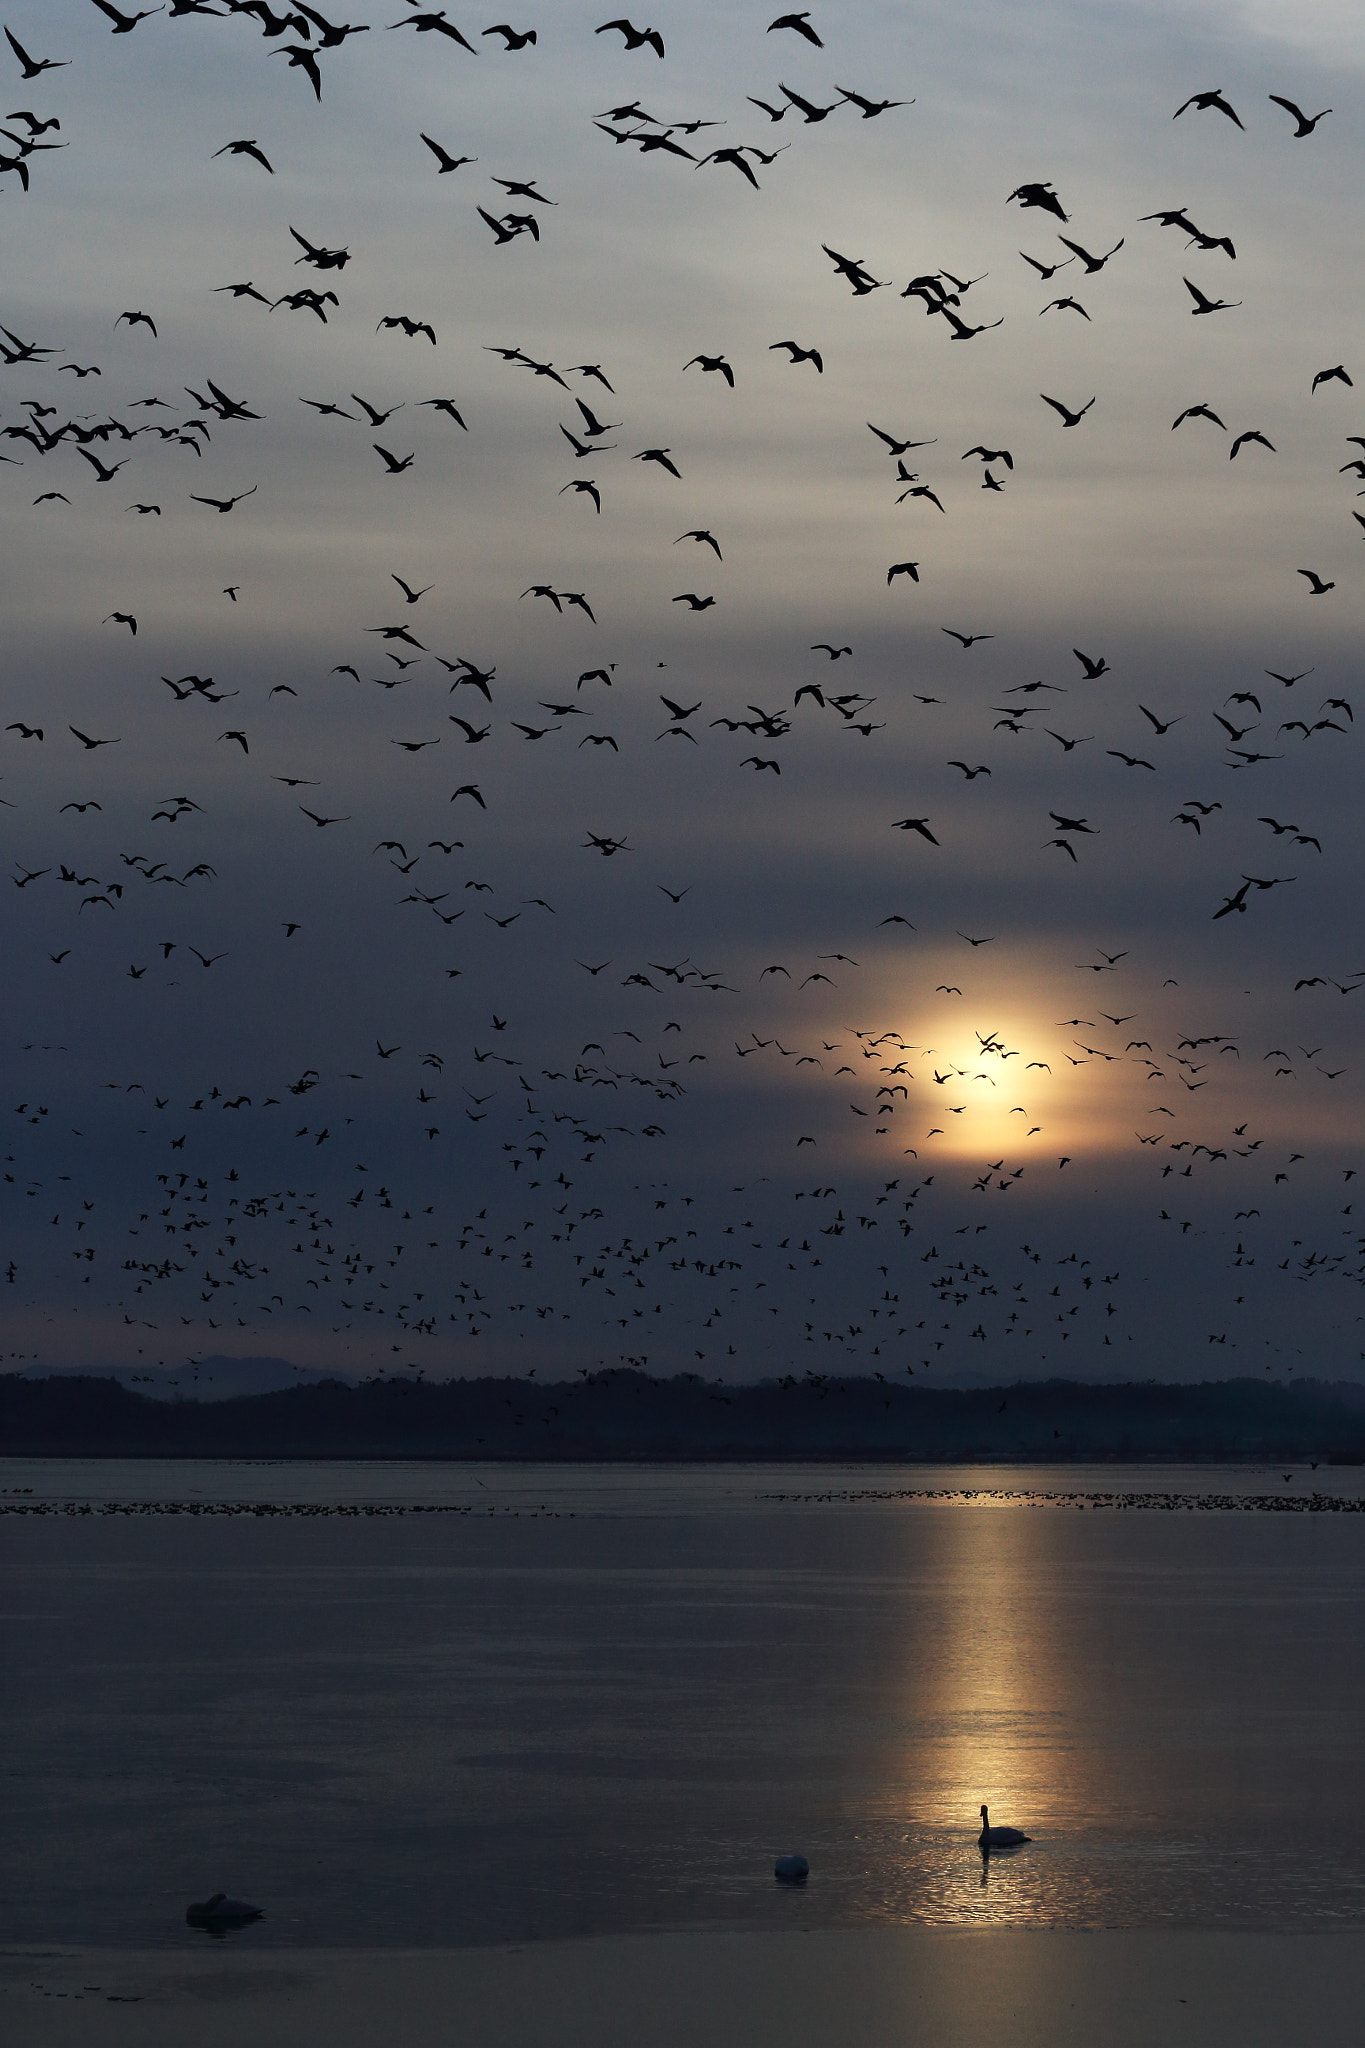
[1203, 101]
[635, 38]
[1202, 304]
[998, 1838]
[1068, 418]
[1306, 122]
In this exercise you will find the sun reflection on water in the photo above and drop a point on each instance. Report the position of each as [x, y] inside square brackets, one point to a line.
[1001, 1701]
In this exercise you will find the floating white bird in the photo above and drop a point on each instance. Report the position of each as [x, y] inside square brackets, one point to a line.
[998, 1838]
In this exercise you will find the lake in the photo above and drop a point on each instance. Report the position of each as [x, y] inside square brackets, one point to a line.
[433, 1705]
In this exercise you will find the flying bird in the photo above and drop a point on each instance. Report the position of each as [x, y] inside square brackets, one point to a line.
[1068, 418]
[1041, 196]
[411, 328]
[1203, 101]
[714, 363]
[1203, 304]
[1046, 270]
[445, 162]
[301, 58]
[870, 109]
[124, 24]
[104, 473]
[1197, 412]
[249, 147]
[448, 407]
[800, 355]
[223, 504]
[895, 447]
[1306, 123]
[850, 268]
[801, 24]
[635, 38]
[812, 112]
[1093, 264]
[34, 67]
[435, 23]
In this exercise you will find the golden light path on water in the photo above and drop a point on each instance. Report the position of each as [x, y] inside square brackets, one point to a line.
[998, 1680]
[1002, 1708]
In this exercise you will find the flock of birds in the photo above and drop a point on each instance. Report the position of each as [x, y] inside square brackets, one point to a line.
[531, 1240]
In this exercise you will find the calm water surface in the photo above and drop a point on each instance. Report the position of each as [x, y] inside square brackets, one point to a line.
[594, 1700]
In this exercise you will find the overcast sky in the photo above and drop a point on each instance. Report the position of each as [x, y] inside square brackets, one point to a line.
[453, 1023]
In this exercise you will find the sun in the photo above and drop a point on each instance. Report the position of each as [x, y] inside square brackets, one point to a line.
[1011, 1088]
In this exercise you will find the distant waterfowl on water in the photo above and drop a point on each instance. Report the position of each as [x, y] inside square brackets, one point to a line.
[998, 1838]
[791, 1869]
[220, 1912]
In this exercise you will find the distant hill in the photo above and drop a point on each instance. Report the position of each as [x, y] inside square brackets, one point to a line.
[212, 1379]
[626, 1415]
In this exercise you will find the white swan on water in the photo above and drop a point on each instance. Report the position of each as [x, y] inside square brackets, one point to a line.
[221, 1912]
[998, 1838]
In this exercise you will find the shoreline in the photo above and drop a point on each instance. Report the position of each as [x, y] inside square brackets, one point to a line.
[622, 1415]
[905, 1987]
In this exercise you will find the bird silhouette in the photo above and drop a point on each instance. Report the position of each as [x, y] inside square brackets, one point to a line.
[799, 354]
[1304, 123]
[635, 38]
[1093, 264]
[249, 148]
[1041, 196]
[444, 161]
[1203, 304]
[1203, 101]
[34, 67]
[801, 23]
[1064, 412]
